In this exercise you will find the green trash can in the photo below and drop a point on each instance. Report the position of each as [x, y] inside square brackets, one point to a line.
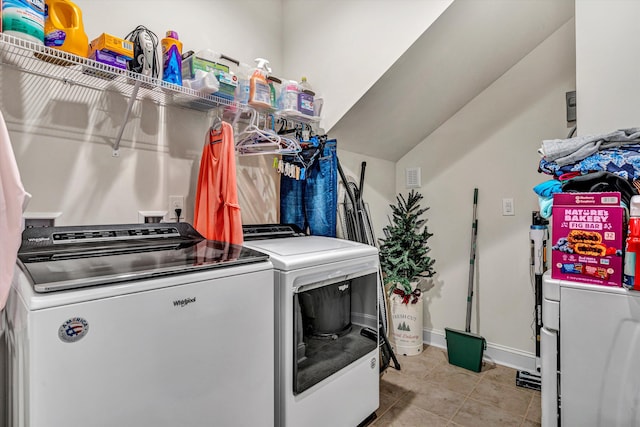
[465, 349]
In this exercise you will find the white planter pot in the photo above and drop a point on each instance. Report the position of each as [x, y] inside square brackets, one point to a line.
[406, 322]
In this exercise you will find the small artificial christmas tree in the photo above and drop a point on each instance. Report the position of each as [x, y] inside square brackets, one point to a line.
[404, 252]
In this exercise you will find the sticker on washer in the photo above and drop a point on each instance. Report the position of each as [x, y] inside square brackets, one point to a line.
[73, 329]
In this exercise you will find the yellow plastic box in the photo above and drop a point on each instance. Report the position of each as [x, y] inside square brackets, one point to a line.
[113, 44]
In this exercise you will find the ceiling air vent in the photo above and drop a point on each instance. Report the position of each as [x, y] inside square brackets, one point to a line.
[413, 178]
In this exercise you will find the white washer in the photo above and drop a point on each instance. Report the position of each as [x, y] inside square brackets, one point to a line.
[324, 377]
[174, 330]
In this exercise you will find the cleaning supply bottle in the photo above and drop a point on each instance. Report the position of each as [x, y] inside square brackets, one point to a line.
[305, 97]
[631, 273]
[243, 88]
[172, 58]
[273, 92]
[63, 27]
[259, 93]
[23, 19]
[289, 96]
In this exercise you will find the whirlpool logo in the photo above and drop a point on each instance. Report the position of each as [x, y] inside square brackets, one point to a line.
[183, 302]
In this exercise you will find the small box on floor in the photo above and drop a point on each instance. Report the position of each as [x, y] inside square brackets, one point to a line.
[587, 238]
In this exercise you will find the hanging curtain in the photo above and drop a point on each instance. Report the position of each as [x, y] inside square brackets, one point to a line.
[217, 213]
[13, 199]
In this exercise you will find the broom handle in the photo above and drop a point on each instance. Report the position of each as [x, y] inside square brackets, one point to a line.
[472, 259]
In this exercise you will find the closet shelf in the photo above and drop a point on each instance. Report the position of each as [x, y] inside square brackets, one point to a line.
[51, 63]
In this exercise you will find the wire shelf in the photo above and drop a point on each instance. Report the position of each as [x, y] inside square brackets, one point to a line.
[39, 60]
[32, 58]
[35, 59]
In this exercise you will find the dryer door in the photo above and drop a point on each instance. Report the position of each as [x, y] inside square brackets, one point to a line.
[328, 333]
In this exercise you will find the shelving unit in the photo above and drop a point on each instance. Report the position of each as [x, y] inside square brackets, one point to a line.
[31, 58]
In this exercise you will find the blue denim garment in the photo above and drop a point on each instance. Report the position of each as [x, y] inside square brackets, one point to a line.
[313, 202]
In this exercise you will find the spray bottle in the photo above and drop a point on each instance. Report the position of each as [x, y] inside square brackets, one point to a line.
[631, 276]
[259, 92]
[172, 58]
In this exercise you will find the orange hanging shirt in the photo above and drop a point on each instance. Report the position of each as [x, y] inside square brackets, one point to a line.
[217, 213]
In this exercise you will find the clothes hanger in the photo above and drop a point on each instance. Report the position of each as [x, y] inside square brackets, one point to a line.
[254, 140]
[215, 130]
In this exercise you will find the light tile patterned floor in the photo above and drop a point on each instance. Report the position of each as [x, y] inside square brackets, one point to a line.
[428, 391]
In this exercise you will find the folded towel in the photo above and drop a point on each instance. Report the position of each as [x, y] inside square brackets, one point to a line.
[546, 206]
[548, 188]
[571, 150]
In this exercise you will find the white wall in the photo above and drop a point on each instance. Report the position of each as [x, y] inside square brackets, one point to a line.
[491, 144]
[607, 77]
[344, 46]
[62, 135]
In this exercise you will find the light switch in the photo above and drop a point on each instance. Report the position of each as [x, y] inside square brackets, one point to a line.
[507, 207]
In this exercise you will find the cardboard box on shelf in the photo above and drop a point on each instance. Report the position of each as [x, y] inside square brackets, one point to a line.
[110, 43]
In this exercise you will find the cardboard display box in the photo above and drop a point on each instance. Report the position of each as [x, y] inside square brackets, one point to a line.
[588, 238]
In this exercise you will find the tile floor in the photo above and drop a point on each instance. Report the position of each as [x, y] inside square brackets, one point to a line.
[428, 391]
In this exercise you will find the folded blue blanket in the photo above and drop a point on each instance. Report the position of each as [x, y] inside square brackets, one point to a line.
[624, 162]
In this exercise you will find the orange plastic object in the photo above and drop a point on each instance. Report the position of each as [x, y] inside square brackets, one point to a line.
[63, 28]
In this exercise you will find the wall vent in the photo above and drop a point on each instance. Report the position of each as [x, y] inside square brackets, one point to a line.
[413, 178]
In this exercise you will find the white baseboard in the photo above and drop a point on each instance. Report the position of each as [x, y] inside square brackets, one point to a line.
[499, 354]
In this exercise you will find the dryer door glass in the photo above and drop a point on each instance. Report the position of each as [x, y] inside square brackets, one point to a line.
[328, 328]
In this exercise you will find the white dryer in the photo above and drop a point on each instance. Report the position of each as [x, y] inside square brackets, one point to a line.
[326, 317]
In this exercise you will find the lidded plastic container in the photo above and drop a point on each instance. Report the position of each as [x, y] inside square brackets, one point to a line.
[243, 89]
[63, 28]
[289, 95]
[23, 19]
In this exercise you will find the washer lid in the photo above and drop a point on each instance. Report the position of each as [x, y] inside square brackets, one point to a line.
[305, 251]
[58, 258]
[552, 288]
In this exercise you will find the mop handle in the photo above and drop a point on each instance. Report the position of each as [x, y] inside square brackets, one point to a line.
[472, 259]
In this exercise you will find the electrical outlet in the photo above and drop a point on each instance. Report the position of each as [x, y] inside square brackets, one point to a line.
[176, 202]
[507, 207]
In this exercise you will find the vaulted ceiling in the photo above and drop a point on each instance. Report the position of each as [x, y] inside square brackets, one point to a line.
[467, 48]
